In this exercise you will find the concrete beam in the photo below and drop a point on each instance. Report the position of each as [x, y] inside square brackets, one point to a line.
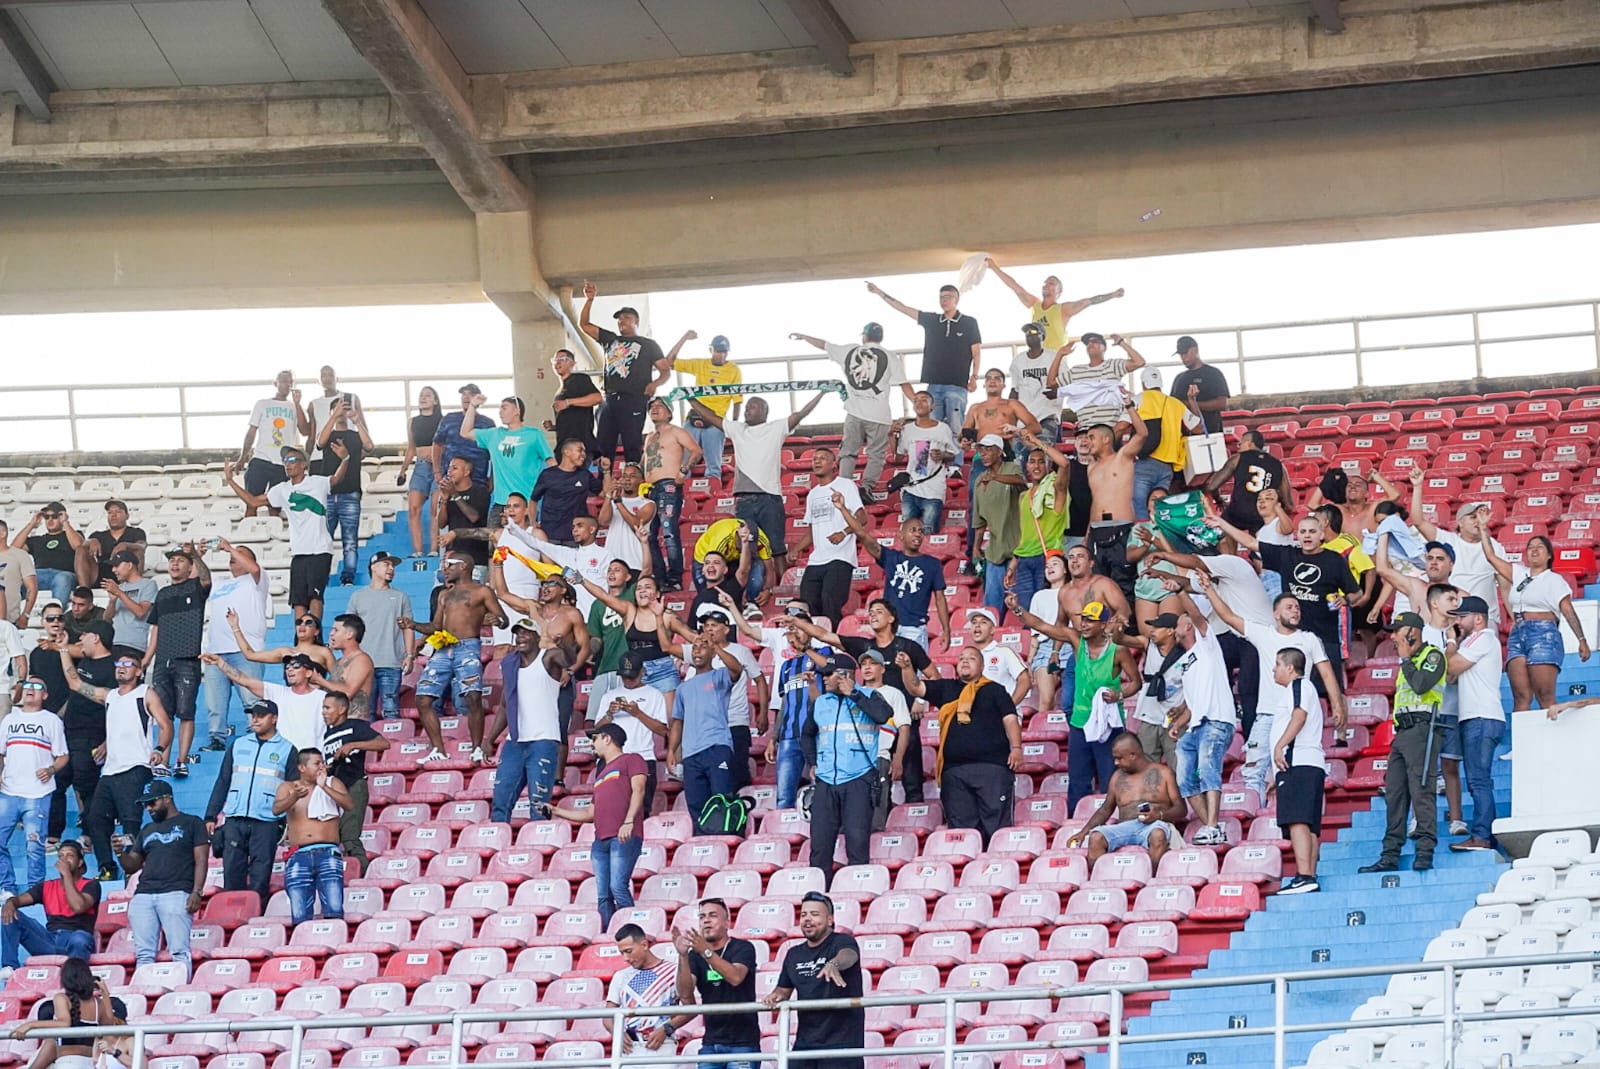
[22, 73]
[828, 32]
[396, 38]
[1328, 15]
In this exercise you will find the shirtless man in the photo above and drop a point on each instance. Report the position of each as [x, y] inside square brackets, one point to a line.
[556, 617]
[1359, 502]
[1111, 500]
[464, 605]
[353, 673]
[315, 869]
[669, 454]
[1145, 797]
[1084, 585]
[996, 414]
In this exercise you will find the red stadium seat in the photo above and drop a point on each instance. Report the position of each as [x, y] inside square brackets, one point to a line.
[1584, 531]
[283, 974]
[1384, 421]
[1400, 464]
[1226, 900]
[1479, 439]
[1483, 415]
[1048, 811]
[1509, 459]
[1325, 427]
[942, 949]
[231, 908]
[1430, 419]
[1283, 430]
[1537, 412]
[1367, 448]
[1320, 451]
[1535, 507]
[1564, 455]
[967, 911]
[1461, 463]
[1534, 436]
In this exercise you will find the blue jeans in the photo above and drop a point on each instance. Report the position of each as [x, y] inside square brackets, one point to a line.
[724, 1048]
[151, 917]
[930, 510]
[706, 773]
[994, 588]
[524, 764]
[344, 514]
[37, 939]
[613, 874]
[1200, 754]
[33, 813]
[666, 535]
[219, 690]
[791, 762]
[1148, 474]
[312, 874]
[1030, 578]
[950, 405]
[1479, 738]
[57, 583]
[710, 440]
[386, 691]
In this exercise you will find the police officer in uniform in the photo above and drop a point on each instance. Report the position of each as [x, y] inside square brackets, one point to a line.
[1414, 754]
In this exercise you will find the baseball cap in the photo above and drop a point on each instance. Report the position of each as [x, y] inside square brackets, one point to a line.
[1186, 343]
[525, 624]
[1468, 509]
[721, 344]
[1166, 619]
[610, 731]
[631, 665]
[797, 608]
[124, 556]
[1444, 547]
[1471, 605]
[179, 551]
[1095, 610]
[1406, 619]
[1090, 336]
[118, 503]
[872, 331]
[379, 558]
[986, 612]
[1150, 378]
[708, 610]
[100, 629]
[54, 506]
[265, 707]
[873, 654]
[301, 660]
[156, 788]
[841, 662]
[625, 310]
[471, 387]
[994, 440]
[1033, 330]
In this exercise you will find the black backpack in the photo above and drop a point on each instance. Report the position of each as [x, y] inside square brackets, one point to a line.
[724, 815]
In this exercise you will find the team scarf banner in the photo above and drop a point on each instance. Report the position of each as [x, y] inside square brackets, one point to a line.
[743, 389]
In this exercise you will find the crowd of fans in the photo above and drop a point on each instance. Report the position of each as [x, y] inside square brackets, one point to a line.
[1164, 620]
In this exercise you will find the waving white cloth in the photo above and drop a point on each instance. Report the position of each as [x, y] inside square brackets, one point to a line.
[1105, 718]
[1095, 393]
[321, 806]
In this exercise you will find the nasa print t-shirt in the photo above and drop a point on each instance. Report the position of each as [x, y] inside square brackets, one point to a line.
[871, 374]
[1312, 578]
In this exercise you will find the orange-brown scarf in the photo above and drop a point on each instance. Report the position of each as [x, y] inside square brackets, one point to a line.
[960, 710]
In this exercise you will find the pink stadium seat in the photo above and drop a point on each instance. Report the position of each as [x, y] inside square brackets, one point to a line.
[349, 970]
[908, 980]
[1163, 902]
[513, 865]
[921, 818]
[735, 886]
[955, 845]
[255, 941]
[942, 950]
[1126, 870]
[445, 932]
[1192, 867]
[217, 977]
[1226, 900]
[763, 853]
[416, 901]
[767, 919]
[1146, 939]
[994, 875]
[572, 927]
[1060, 870]
[542, 964]
[1031, 907]
[283, 974]
[966, 911]
[862, 882]
[1048, 811]
[434, 788]
[668, 888]
[1076, 942]
[545, 836]
[452, 868]
[1096, 905]
[901, 913]
[893, 850]
[1009, 946]
[480, 898]
[317, 938]
[930, 879]
[1096, 1008]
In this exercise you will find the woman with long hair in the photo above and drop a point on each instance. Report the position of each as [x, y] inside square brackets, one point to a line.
[1537, 598]
[307, 640]
[83, 1000]
[641, 619]
[419, 464]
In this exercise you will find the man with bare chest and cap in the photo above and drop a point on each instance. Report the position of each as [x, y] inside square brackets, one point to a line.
[1111, 515]
[455, 633]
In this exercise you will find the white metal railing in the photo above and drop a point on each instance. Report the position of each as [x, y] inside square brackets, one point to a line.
[1450, 1020]
[1346, 349]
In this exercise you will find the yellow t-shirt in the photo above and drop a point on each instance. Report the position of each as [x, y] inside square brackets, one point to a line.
[707, 373]
[1055, 332]
[1157, 406]
[1350, 549]
[723, 537]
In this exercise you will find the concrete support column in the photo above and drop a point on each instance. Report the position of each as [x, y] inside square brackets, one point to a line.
[533, 343]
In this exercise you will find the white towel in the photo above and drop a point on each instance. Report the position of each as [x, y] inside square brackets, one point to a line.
[1095, 393]
[321, 806]
[972, 271]
[1105, 718]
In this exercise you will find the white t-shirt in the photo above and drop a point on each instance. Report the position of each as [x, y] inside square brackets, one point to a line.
[276, 427]
[306, 505]
[538, 718]
[651, 702]
[31, 741]
[621, 541]
[872, 375]
[1028, 376]
[739, 696]
[1270, 535]
[299, 715]
[1307, 747]
[10, 649]
[1148, 709]
[1273, 699]
[127, 732]
[776, 639]
[1478, 688]
[1046, 605]
[1240, 587]
[889, 733]
[758, 455]
[824, 520]
[1536, 593]
[918, 444]
[321, 413]
[590, 561]
[1001, 664]
[245, 595]
[1205, 682]
[1471, 571]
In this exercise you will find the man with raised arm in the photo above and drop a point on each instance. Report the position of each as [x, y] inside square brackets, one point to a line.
[952, 346]
[669, 455]
[825, 584]
[912, 580]
[276, 424]
[715, 370]
[1047, 307]
[463, 608]
[870, 373]
[1470, 570]
[1111, 479]
[305, 496]
[518, 452]
[633, 363]
[1093, 390]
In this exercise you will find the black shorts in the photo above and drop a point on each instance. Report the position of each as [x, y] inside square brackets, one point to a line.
[1300, 797]
[308, 577]
[260, 474]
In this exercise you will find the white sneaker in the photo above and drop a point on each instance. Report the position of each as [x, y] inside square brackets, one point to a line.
[1506, 756]
[477, 755]
[1411, 827]
[1459, 827]
[1438, 785]
[1219, 835]
[434, 757]
[5, 973]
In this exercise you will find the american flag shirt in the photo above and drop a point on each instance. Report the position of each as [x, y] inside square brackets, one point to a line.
[657, 986]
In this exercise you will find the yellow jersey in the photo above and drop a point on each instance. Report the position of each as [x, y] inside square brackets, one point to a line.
[1055, 331]
[1157, 407]
[707, 373]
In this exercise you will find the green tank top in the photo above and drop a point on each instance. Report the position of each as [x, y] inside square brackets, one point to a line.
[1089, 678]
[1050, 522]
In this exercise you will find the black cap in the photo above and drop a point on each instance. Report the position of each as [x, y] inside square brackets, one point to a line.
[156, 788]
[54, 506]
[264, 707]
[379, 557]
[117, 501]
[124, 556]
[1186, 343]
[872, 332]
[179, 551]
[610, 731]
[1166, 619]
[841, 662]
[100, 629]
[631, 666]
[1471, 605]
[625, 310]
[301, 660]
[1406, 619]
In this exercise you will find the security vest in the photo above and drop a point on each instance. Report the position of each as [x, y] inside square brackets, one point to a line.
[259, 766]
[1407, 700]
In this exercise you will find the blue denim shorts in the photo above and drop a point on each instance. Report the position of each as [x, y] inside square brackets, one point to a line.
[458, 664]
[1200, 755]
[1043, 650]
[1134, 833]
[422, 478]
[1450, 740]
[1537, 641]
[662, 674]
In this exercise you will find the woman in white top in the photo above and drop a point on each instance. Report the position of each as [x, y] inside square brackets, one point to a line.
[1043, 657]
[1536, 595]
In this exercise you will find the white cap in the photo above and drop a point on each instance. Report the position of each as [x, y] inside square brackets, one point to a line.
[1150, 378]
[984, 610]
[994, 440]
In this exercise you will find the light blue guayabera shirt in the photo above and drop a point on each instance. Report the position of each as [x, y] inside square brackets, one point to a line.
[702, 704]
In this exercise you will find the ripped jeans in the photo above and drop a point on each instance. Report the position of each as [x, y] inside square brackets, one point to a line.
[33, 813]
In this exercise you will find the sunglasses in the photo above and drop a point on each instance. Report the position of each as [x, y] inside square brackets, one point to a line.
[152, 803]
[50, 515]
[32, 685]
[309, 621]
[124, 662]
[56, 619]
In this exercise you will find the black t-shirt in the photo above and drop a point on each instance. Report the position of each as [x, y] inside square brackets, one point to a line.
[824, 1029]
[982, 741]
[328, 463]
[56, 898]
[108, 542]
[476, 498]
[52, 551]
[1212, 386]
[708, 594]
[1256, 471]
[728, 1029]
[84, 720]
[856, 645]
[46, 664]
[561, 497]
[168, 848]
[1311, 577]
[423, 428]
[630, 362]
[947, 348]
[578, 420]
[75, 627]
[180, 612]
[352, 768]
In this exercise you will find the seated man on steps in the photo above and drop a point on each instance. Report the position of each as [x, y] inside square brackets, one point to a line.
[1144, 796]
